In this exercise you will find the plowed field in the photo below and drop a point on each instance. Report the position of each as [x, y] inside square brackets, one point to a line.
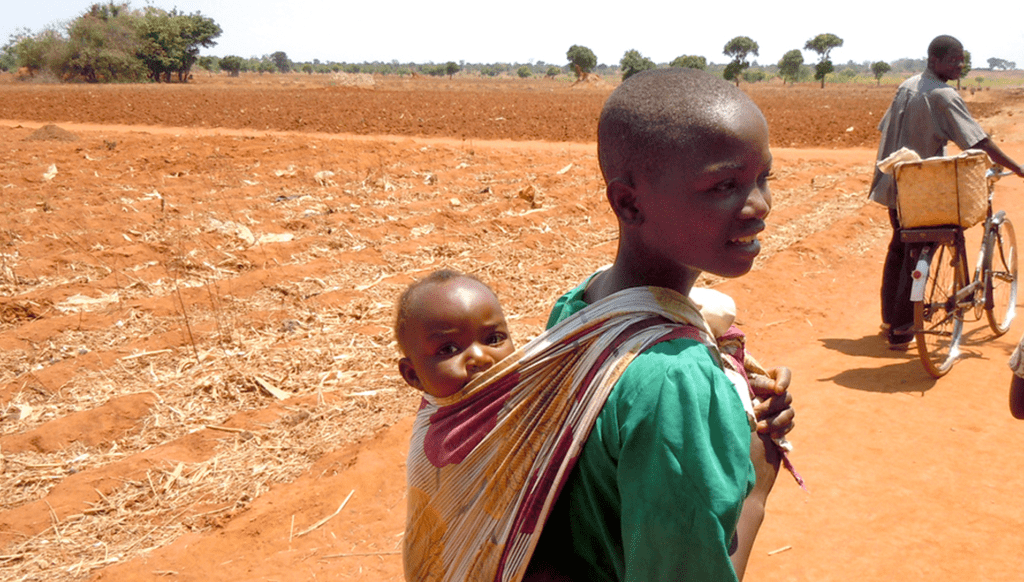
[198, 379]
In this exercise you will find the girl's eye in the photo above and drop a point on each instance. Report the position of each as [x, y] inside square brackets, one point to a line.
[496, 338]
[726, 186]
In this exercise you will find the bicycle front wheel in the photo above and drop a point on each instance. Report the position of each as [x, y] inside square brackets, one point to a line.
[1001, 277]
[938, 322]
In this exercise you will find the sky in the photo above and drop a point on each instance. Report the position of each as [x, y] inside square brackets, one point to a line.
[528, 31]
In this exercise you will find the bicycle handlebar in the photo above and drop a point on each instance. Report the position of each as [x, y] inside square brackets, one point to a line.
[997, 172]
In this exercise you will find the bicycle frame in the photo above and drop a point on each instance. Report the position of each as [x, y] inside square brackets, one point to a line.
[941, 307]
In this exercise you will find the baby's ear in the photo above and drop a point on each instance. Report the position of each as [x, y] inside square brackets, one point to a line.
[409, 374]
[622, 197]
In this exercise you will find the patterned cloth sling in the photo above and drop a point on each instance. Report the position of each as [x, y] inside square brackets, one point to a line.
[486, 465]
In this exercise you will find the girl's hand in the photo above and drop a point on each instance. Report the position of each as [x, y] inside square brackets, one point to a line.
[773, 409]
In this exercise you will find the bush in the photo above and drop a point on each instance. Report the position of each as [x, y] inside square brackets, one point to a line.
[633, 62]
[690, 62]
[524, 72]
[754, 76]
[232, 64]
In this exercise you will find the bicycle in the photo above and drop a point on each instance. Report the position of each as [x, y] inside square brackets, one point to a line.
[941, 292]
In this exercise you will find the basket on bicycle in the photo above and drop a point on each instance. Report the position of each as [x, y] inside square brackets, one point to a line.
[943, 191]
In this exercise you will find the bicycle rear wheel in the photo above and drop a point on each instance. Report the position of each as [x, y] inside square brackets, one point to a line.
[938, 322]
[1001, 277]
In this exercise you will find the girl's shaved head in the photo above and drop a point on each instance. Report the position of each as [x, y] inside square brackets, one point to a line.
[661, 113]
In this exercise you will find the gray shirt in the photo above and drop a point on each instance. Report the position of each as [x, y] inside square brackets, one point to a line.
[925, 114]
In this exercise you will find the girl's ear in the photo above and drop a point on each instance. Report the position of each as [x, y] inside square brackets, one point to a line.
[409, 374]
[622, 196]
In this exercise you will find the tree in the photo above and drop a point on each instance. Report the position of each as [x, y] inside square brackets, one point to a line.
[581, 59]
[281, 61]
[7, 59]
[35, 51]
[880, 68]
[209, 64]
[450, 68]
[633, 62]
[171, 41]
[552, 72]
[102, 46]
[265, 65]
[232, 64]
[997, 63]
[789, 66]
[823, 45]
[738, 48]
[689, 62]
[524, 72]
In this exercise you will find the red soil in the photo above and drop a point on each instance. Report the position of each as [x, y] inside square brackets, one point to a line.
[143, 254]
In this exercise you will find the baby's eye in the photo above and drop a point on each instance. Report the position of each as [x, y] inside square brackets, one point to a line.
[448, 350]
[497, 338]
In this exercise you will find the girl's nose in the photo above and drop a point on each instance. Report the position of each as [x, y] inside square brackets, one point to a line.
[759, 202]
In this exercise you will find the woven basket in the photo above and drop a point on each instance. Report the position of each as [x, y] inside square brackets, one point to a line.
[943, 191]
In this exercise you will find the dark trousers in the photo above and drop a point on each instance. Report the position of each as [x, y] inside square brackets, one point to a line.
[897, 309]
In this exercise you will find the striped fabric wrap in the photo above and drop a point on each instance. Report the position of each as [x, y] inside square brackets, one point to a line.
[486, 465]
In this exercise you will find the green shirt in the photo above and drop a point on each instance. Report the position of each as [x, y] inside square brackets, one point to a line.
[658, 488]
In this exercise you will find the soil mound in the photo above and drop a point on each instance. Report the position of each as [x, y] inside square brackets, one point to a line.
[51, 133]
[354, 79]
[591, 80]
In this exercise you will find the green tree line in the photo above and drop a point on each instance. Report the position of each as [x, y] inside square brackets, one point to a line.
[115, 43]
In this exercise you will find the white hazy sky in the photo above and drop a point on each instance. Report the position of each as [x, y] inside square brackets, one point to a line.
[542, 30]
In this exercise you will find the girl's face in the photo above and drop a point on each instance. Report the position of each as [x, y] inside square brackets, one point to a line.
[455, 331]
[705, 211]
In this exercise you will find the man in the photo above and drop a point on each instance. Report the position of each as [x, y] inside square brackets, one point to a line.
[925, 114]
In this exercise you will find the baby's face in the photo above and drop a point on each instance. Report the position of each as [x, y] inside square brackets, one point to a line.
[455, 331]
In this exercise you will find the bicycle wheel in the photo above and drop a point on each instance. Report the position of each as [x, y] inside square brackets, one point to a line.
[938, 322]
[1001, 277]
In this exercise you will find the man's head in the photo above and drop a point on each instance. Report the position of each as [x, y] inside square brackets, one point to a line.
[450, 328]
[946, 57]
[686, 160]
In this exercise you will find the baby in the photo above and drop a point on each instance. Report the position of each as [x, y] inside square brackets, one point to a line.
[450, 328]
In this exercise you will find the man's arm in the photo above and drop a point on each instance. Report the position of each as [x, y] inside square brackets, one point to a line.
[998, 156]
